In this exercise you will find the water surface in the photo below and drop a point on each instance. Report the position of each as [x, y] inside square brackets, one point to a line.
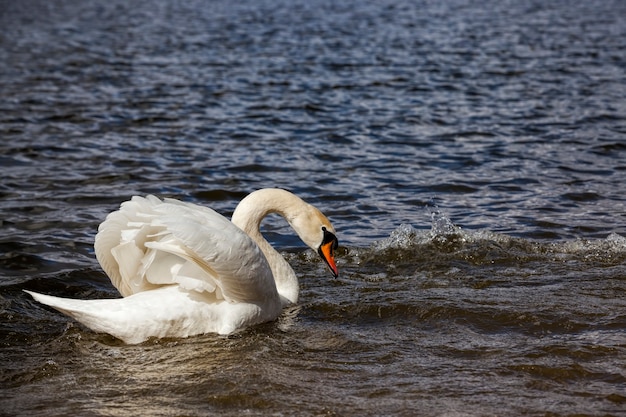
[470, 154]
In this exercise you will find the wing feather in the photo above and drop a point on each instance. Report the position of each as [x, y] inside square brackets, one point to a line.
[149, 242]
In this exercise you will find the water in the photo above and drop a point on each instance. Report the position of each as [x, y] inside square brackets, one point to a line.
[470, 154]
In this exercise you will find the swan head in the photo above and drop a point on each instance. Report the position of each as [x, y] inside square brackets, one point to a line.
[318, 233]
[309, 223]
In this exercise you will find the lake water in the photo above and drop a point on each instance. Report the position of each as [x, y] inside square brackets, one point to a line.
[472, 156]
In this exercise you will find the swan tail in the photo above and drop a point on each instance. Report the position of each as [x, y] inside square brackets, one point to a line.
[65, 305]
[98, 315]
[164, 312]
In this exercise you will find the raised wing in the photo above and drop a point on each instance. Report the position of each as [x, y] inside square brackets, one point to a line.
[150, 243]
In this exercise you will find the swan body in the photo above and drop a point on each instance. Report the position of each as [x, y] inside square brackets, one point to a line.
[184, 269]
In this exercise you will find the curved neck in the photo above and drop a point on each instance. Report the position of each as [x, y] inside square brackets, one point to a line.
[248, 216]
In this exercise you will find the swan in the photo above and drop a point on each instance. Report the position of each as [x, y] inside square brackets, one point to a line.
[183, 269]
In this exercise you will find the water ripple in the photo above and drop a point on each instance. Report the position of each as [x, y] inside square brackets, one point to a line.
[492, 133]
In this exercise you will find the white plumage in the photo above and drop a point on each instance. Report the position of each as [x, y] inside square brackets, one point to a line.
[184, 269]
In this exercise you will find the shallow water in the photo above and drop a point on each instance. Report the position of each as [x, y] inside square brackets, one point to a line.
[471, 156]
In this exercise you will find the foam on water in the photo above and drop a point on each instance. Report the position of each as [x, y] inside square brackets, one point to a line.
[444, 234]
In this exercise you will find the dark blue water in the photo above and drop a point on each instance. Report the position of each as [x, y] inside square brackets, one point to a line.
[470, 154]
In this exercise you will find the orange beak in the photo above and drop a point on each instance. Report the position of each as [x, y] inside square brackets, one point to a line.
[327, 252]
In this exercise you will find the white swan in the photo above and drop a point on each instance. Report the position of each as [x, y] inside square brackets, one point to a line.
[185, 270]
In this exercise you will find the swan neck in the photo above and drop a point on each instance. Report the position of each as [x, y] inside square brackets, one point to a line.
[248, 216]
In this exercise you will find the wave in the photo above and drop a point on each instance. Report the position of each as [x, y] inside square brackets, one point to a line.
[447, 241]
